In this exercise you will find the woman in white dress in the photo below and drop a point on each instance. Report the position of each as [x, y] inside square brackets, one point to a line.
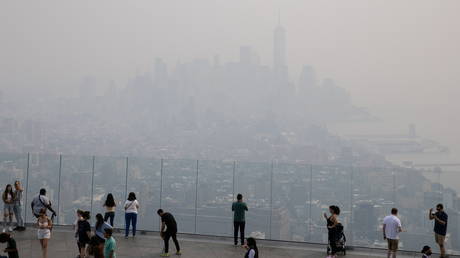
[44, 231]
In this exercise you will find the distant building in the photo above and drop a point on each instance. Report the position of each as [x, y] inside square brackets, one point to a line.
[307, 79]
[279, 54]
[160, 71]
[245, 55]
[412, 131]
[279, 48]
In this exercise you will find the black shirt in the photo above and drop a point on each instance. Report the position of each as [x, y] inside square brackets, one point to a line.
[171, 225]
[83, 228]
[439, 228]
[12, 245]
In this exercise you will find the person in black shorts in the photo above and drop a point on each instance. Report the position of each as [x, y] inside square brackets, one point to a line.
[168, 221]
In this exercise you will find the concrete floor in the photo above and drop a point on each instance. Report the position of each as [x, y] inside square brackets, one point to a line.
[63, 245]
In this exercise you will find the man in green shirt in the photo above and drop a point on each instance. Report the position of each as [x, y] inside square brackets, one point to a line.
[239, 208]
[110, 244]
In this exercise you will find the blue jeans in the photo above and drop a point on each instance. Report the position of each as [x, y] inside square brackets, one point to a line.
[18, 214]
[130, 218]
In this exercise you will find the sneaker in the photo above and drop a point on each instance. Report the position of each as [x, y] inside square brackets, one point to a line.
[10, 229]
[4, 230]
[164, 255]
[178, 253]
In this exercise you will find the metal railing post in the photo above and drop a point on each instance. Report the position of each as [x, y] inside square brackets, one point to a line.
[92, 183]
[27, 187]
[271, 200]
[196, 194]
[126, 179]
[59, 188]
[161, 190]
[161, 184]
[351, 203]
[234, 170]
[311, 191]
[394, 187]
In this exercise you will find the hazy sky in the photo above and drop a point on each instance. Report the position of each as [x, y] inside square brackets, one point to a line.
[399, 58]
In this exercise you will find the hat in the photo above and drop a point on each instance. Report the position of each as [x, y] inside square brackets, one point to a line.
[425, 248]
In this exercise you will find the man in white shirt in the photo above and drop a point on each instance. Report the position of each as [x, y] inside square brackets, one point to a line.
[41, 202]
[391, 229]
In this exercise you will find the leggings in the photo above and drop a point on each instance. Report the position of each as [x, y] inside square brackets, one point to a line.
[109, 215]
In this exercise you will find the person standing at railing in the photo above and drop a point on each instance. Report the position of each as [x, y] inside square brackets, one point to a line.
[18, 206]
[41, 202]
[8, 207]
[440, 227]
[131, 207]
[239, 209]
[391, 229]
[110, 207]
[334, 228]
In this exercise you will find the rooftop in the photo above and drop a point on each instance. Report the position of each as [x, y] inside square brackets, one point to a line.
[149, 244]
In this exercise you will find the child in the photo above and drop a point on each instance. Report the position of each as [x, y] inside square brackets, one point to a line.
[11, 248]
[84, 233]
[426, 251]
[251, 246]
[110, 244]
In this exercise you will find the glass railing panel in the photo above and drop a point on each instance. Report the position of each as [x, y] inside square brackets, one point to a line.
[215, 196]
[253, 181]
[330, 186]
[144, 179]
[43, 173]
[449, 180]
[290, 213]
[414, 195]
[178, 194]
[75, 187]
[110, 177]
[13, 167]
[373, 197]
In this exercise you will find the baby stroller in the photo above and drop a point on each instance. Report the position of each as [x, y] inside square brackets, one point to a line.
[339, 239]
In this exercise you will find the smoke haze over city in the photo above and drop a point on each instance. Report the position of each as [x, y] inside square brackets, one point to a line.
[403, 69]
[282, 100]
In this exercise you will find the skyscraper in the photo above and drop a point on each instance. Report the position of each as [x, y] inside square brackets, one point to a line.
[279, 48]
[279, 54]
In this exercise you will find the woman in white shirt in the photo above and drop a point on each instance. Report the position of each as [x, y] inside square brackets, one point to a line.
[131, 207]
